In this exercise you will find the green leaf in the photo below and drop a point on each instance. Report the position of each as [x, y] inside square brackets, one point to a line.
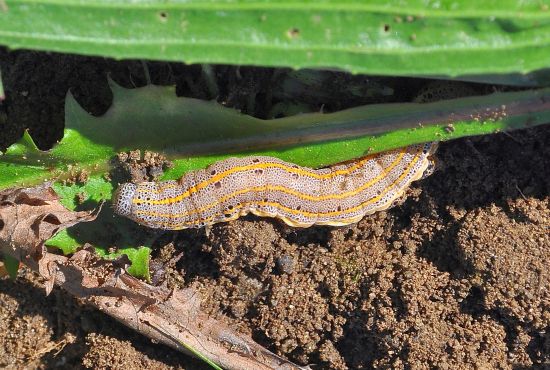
[195, 133]
[12, 266]
[106, 230]
[138, 256]
[415, 37]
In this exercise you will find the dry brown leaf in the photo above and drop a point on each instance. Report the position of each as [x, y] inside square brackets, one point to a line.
[29, 217]
[3, 271]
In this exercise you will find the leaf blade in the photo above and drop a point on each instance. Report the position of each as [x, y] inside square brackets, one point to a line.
[312, 139]
[393, 38]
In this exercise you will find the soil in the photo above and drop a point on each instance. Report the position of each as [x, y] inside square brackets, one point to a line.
[457, 276]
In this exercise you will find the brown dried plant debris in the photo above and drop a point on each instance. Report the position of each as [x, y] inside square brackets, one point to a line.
[28, 217]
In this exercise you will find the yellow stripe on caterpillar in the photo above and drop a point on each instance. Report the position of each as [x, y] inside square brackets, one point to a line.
[289, 167]
[266, 186]
[280, 188]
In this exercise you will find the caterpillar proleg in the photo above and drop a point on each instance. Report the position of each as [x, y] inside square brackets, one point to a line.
[265, 186]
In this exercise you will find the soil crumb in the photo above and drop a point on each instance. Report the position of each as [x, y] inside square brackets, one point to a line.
[132, 166]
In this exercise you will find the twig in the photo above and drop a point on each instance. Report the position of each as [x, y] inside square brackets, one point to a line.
[58, 346]
[30, 216]
[145, 309]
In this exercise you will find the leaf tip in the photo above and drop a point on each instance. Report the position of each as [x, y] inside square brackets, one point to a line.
[115, 87]
[28, 141]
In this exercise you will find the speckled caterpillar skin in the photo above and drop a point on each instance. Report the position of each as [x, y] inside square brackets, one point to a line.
[266, 186]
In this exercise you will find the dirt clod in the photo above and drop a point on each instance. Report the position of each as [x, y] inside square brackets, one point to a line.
[133, 167]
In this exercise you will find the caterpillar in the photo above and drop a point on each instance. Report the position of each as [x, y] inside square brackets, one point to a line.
[265, 186]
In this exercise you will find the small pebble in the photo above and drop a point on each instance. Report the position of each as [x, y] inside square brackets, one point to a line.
[285, 264]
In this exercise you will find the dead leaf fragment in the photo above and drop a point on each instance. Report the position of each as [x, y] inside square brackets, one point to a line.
[30, 216]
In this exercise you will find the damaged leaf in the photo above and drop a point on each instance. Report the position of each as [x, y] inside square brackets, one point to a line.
[141, 118]
[195, 133]
[139, 258]
[30, 216]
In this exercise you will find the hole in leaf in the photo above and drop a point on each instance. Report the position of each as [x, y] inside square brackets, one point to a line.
[163, 16]
[293, 33]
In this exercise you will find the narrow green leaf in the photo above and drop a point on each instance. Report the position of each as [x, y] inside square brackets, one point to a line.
[189, 348]
[12, 266]
[2, 93]
[200, 356]
[439, 38]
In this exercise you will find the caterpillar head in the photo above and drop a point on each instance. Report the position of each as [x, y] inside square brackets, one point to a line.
[122, 200]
